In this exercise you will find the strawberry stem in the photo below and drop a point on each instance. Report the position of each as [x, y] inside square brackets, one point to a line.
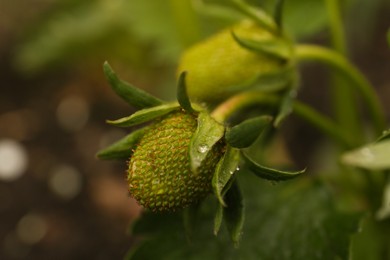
[351, 73]
[233, 105]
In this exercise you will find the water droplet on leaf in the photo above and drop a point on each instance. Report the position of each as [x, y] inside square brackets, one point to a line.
[203, 148]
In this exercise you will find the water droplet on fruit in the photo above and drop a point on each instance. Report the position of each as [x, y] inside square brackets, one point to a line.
[203, 148]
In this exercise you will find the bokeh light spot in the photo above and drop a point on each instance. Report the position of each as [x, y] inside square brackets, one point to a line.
[65, 181]
[13, 160]
[31, 229]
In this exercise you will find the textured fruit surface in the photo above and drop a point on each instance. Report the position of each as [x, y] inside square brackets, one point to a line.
[159, 174]
[218, 66]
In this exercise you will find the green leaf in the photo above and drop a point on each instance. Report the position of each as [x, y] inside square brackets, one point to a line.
[258, 15]
[274, 47]
[289, 221]
[245, 133]
[269, 173]
[234, 214]
[144, 115]
[208, 133]
[182, 95]
[132, 95]
[224, 172]
[123, 148]
[372, 157]
[266, 82]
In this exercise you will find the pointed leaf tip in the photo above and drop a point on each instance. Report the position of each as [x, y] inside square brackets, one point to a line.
[234, 213]
[121, 149]
[132, 95]
[267, 172]
[182, 94]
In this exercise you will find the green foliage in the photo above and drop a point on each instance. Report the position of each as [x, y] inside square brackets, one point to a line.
[145, 115]
[132, 95]
[245, 133]
[296, 220]
[267, 172]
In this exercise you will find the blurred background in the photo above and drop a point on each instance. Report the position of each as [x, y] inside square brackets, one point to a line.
[57, 201]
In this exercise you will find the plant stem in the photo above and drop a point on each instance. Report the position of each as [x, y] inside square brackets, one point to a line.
[233, 105]
[351, 73]
[343, 98]
[336, 26]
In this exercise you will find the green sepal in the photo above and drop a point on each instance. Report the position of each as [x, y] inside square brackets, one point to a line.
[257, 15]
[123, 148]
[182, 95]
[373, 156]
[245, 133]
[266, 82]
[218, 219]
[224, 172]
[234, 213]
[273, 47]
[206, 135]
[286, 107]
[219, 212]
[145, 115]
[267, 172]
[132, 95]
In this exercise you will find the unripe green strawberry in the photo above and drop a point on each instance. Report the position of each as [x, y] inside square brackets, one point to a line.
[159, 175]
[219, 66]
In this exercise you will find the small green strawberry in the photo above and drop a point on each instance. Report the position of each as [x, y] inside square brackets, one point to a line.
[159, 175]
[221, 66]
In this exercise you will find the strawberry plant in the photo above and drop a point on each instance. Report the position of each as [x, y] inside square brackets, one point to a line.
[201, 166]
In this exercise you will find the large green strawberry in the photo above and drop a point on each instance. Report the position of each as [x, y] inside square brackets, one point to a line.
[159, 175]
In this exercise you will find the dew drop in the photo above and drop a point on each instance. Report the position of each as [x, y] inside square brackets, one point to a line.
[203, 148]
